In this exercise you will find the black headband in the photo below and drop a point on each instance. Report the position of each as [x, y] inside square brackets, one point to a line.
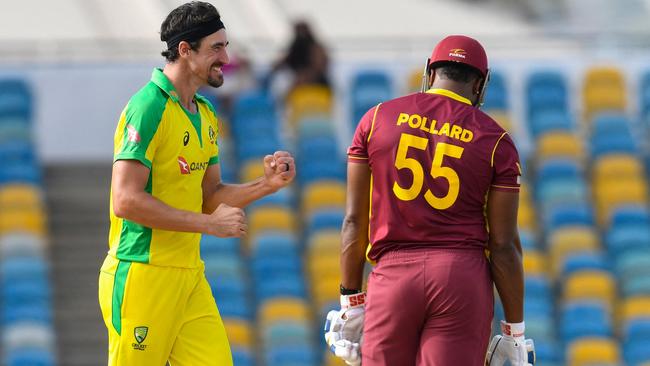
[195, 33]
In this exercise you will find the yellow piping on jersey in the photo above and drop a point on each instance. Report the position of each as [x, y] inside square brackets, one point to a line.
[449, 94]
[369, 247]
[495, 148]
[372, 126]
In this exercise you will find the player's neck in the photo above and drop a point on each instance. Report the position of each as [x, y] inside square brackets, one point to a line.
[183, 83]
[462, 89]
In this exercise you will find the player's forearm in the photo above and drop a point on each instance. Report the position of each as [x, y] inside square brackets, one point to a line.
[149, 211]
[354, 241]
[508, 276]
[236, 195]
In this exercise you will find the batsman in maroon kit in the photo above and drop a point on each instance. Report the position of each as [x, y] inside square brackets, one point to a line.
[432, 183]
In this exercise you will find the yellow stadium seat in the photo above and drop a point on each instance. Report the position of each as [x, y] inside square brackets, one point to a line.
[325, 241]
[415, 81]
[309, 100]
[588, 284]
[534, 263]
[331, 360]
[502, 118]
[559, 144]
[604, 77]
[616, 166]
[593, 351]
[277, 309]
[271, 218]
[526, 216]
[326, 290]
[323, 194]
[20, 196]
[603, 89]
[612, 193]
[251, 170]
[240, 332]
[635, 307]
[322, 266]
[31, 220]
[572, 239]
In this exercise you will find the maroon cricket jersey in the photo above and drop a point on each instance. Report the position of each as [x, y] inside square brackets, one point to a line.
[433, 159]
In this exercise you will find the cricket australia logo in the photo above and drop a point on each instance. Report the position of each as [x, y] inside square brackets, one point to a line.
[212, 135]
[140, 334]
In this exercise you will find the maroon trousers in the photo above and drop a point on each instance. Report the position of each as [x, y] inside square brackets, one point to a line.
[428, 307]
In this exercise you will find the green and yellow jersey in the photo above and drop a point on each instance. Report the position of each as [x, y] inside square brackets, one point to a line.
[177, 146]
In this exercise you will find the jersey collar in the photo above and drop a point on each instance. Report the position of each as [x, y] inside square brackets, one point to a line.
[161, 80]
[449, 94]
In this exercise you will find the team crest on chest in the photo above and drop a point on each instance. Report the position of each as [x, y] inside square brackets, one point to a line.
[212, 134]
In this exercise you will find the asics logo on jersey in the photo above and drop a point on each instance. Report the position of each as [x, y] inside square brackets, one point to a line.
[186, 138]
[457, 52]
[133, 135]
[187, 168]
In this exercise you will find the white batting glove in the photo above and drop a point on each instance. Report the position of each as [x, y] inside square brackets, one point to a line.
[344, 328]
[511, 346]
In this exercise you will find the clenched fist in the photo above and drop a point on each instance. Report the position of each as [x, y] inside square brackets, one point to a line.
[227, 221]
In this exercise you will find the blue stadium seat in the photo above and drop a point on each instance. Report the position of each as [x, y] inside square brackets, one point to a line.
[23, 268]
[274, 244]
[323, 148]
[223, 265]
[611, 124]
[496, 95]
[320, 170]
[30, 357]
[630, 237]
[547, 120]
[34, 313]
[15, 99]
[636, 352]
[213, 246]
[637, 285]
[368, 89]
[630, 215]
[256, 148]
[20, 173]
[315, 126]
[558, 168]
[292, 356]
[228, 286]
[325, 219]
[282, 198]
[548, 352]
[15, 129]
[17, 152]
[253, 103]
[234, 307]
[537, 287]
[570, 190]
[565, 215]
[584, 318]
[633, 263]
[242, 357]
[612, 144]
[581, 261]
[287, 334]
[25, 291]
[542, 307]
[284, 286]
[528, 240]
[264, 267]
[637, 329]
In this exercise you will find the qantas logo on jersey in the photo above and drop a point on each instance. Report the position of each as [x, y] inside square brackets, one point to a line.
[187, 168]
[457, 52]
[133, 135]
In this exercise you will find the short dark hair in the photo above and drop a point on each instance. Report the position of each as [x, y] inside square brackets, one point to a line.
[457, 72]
[182, 18]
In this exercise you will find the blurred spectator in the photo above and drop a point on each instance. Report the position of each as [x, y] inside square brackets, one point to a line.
[306, 60]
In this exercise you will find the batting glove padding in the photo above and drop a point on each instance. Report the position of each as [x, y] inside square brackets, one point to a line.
[511, 346]
[344, 328]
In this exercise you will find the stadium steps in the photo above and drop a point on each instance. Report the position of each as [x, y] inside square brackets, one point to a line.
[77, 200]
